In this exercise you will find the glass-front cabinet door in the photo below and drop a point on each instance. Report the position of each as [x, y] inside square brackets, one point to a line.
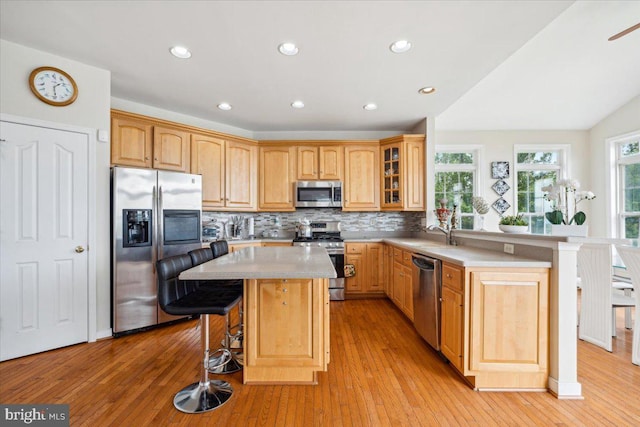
[392, 181]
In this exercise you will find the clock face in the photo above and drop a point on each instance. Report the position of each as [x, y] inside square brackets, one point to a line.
[53, 86]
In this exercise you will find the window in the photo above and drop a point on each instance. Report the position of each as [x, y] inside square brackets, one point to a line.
[456, 180]
[535, 168]
[628, 187]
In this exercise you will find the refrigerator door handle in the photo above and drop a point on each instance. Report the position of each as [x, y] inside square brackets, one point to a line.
[154, 231]
[160, 240]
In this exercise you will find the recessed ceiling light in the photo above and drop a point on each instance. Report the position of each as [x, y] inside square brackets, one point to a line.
[288, 49]
[297, 104]
[426, 90]
[400, 46]
[370, 106]
[224, 106]
[180, 52]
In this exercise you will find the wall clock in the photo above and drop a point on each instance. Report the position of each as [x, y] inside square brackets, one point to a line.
[53, 86]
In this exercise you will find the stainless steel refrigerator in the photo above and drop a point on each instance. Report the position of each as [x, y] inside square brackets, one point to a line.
[154, 214]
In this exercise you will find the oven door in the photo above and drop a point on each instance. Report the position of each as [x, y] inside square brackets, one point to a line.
[336, 286]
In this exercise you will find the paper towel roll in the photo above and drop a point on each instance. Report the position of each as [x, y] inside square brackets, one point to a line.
[250, 227]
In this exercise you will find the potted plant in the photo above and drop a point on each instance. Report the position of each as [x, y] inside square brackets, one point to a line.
[514, 224]
[565, 218]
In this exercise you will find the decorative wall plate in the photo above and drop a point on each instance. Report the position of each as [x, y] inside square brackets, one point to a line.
[501, 205]
[499, 170]
[500, 187]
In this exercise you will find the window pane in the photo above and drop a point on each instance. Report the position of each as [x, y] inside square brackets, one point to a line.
[529, 190]
[454, 158]
[457, 188]
[539, 157]
[631, 227]
[630, 149]
[632, 188]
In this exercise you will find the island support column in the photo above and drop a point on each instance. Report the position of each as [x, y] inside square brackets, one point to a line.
[563, 334]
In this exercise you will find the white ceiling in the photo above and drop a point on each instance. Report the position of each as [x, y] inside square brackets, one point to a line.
[495, 64]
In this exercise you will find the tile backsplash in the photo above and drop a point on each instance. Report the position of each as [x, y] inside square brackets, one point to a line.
[285, 222]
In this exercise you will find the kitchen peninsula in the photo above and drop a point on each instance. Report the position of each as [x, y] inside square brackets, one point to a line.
[286, 309]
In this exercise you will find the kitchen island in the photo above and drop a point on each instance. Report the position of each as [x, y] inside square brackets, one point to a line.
[286, 309]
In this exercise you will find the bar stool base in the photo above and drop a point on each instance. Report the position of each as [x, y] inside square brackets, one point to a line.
[200, 397]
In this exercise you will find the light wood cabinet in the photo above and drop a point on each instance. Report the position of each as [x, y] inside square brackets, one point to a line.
[403, 173]
[141, 143]
[452, 315]
[388, 270]
[131, 142]
[171, 149]
[495, 325]
[277, 172]
[207, 159]
[361, 188]
[367, 259]
[290, 321]
[241, 176]
[324, 162]
[229, 173]
[402, 282]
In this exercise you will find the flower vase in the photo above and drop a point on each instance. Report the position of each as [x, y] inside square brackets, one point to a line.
[573, 230]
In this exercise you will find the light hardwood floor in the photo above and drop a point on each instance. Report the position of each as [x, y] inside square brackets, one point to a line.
[381, 374]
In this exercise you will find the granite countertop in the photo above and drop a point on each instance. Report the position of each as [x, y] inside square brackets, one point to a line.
[271, 262]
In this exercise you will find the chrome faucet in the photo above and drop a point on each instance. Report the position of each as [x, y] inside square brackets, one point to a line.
[449, 240]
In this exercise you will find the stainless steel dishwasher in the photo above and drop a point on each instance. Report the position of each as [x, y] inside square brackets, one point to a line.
[426, 298]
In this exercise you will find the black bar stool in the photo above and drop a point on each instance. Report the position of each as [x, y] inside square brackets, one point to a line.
[226, 362]
[219, 248]
[198, 256]
[180, 297]
[232, 341]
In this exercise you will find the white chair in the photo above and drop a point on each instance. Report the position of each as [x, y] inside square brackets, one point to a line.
[599, 299]
[631, 258]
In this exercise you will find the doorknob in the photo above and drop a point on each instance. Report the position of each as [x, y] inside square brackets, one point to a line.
[79, 249]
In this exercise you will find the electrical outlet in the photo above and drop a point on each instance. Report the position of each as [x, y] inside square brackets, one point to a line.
[508, 248]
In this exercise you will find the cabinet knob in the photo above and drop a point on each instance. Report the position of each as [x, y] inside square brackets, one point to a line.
[284, 303]
[146, 158]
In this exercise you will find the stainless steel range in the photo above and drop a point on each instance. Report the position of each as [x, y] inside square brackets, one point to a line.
[326, 234]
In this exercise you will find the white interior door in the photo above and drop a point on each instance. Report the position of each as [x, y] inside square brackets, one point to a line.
[43, 239]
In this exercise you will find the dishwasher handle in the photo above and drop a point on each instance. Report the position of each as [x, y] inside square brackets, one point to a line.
[423, 263]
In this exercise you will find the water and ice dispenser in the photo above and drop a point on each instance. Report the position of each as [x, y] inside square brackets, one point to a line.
[137, 227]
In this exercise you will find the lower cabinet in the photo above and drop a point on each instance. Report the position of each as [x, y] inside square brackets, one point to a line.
[367, 258]
[495, 325]
[452, 316]
[286, 329]
[402, 281]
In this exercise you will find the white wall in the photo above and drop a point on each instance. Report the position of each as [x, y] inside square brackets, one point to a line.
[623, 121]
[90, 110]
[499, 146]
[159, 113]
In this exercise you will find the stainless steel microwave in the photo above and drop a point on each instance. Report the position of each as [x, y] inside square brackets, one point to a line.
[318, 194]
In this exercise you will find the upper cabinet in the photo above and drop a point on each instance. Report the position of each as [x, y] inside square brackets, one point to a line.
[228, 170]
[208, 160]
[140, 142]
[361, 188]
[277, 166]
[241, 176]
[170, 149]
[403, 173]
[324, 162]
[131, 142]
